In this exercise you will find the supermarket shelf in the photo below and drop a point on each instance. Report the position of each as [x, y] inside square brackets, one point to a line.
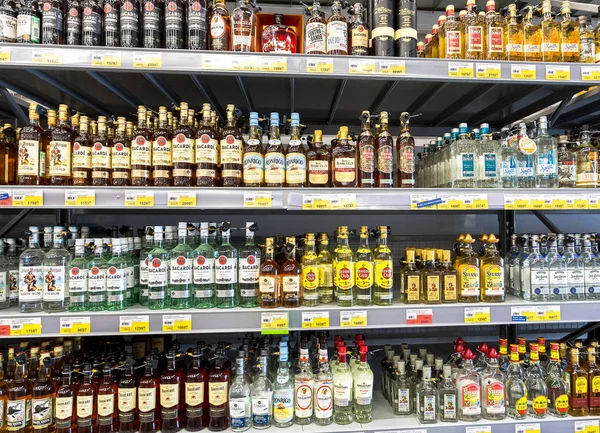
[327, 91]
[250, 319]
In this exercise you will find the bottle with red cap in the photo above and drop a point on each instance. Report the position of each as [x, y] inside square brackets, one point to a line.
[363, 388]
[494, 393]
[503, 360]
[482, 360]
[342, 390]
[516, 392]
[468, 383]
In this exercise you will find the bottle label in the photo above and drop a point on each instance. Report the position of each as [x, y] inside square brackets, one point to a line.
[231, 150]
[337, 36]
[217, 26]
[475, 39]
[470, 393]
[561, 403]
[260, 409]
[304, 400]
[569, 47]
[323, 400]
[360, 40]
[85, 406]
[344, 271]
[532, 48]
[310, 277]
[550, 47]
[283, 405]
[385, 159]
[31, 280]
[101, 157]
[116, 279]
[295, 168]
[559, 281]
[453, 42]
[225, 270]
[540, 404]
[318, 172]
[494, 395]
[469, 280]
[42, 415]
[325, 275]
[495, 39]
[493, 279]
[92, 24]
[367, 158]
[78, 279]
[345, 170]
[540, 281]
[162, 151]
[508, 168]
[54, 283]
[28, 158]
[16, 417]
[126, 399]
[266, 287]
[488, 163]
[157, 273]
[194, 393]
[291, 287]
[449, 287]
[8, 26]
[146, 399]
[64, 408]
[82, 156]
[429, 408]
[384, 273]
[524, 171]
[315, 38]
[169, 395]
[217, 393]
[180, 270]
[13, 284]
[413, 283]
[433, 288]
[206, 149]
[407, 159]
[514, 48]
[106, 405]
[363, 392]
[404, 400]
[204, 270]
[239, 411]
[60, 158]
[183, 149]
[364, 274]
[254, 169]
[521, 406]
[543, 168]
[467, 165]
[249, 269]
[274, 168]
[527, 146]
[449, 406]
[96, 279]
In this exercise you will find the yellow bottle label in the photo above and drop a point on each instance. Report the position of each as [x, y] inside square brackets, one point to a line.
[60, 158]
[82, 156]
[253, 167]
[384, 273]
[217, 393]
[493, 280]
[310, 277]
[581, 385]
[183, 149]
[521, 406]
[169, 395]
[469, 280]
[101, 156]
[364, 274]
[413, 283]
[121, 156]
[206, 149]
[433, 288]
[344, 273]
[231, 150]
[534, 356]
[596, 384]
[194, 393]
[561, 403]
[162, 151]
[540, 405]
[450, 287]
[141, 152]
[29, 157]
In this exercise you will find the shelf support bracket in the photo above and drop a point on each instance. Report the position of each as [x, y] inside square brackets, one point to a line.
[546, 221]
[208, 94]
[14, 106]
[336, 100]
[383, 95]
[163, 88]
[559, 111]
[579, 332]
[18, 89]
[245, 94]
[13, 222]
[114, 89]
[462, 102]
[433, 90]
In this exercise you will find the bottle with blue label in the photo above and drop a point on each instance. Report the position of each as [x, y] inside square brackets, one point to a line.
[262, 396]
[239, 398]
[508, 160]
[274, 156]
[295, 160]
[488, 174]
[464, 160]
[254, 160]
[546, 173]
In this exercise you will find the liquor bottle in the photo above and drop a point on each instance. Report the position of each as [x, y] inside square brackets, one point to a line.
[316, 31]
[384, 146]
[384, 269]
[363, 389]
[231, 151]
[129, 18]
[162, 162]
[126, 399]
[283, 391]
[31, 275]
[87, 412]
[430, 280]
[78, 278]
[8, 153]
[120, 156]
[56, 279]
[426, 399]
[488, 159]
[516, 391]
[53, 13]
[411, 280]
[406, 154]
[18, 413]
[239, 399]
[248, 265]
[174, 24]
[406, 28]
[219, 379]
[171, 396]
[196, 20]
[206, 151]
[64, 415]
[495, 38]
[310, 273]
[304, 387]
[110, 24]
[325, 264]
[274, 156]
[295, 158]
[358, 32]
[344, 157]
[152, 23]
[101, 156]
[468, 273]
[180, 270]
[219, 31]
[82, 155]
[558, 400]
[226, 272]
[116, 278]
[447, 396]
[337, 31]
[342, 390]
[319, 162]
[365, 145]
[12, 278]
[261, 396]
[204, 271]
[566, 164]
[586, 161]
[158, 273]
[106, 402]
[43, 396]
[60, 145]
[97, 274]
[344, 269]
[363, 269]
[537, 390]
[492, 273]
[515, 37]
[448, 277]
[9, 18]
[141, 151]
[546, 175]
[382, 27]
[569, 35]
[430, 47]
[533, 37]
[494, 404]
[254, 160]
[31, 163]
[593, 378]
[587, 47]
[468, 382]
[576, 379]
[196, 391]
[290, 276]
[91, 23]
[551, 35]
[453, 36]
[269, 280]
[242, 26]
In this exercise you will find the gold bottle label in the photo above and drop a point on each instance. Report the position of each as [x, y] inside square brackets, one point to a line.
[101, 156]
[450, 287]
[364, 274]
[253, 167]
[29, 158]
[345, 169]
[384, 273]
[310, 277]
[169, 395]
[318, 172]
[469, 280]
[146, 399]
[217, 393]
[194, 393]
[413, 283]
[141, 152]
[274, 168]
[60, 158]
[206, 150]
[581, 385]
[162, 152]
[433, 288]
[82, 156]
[183, 149]
[121, 156]
[295, 168]
[493, 280]
[231, 150]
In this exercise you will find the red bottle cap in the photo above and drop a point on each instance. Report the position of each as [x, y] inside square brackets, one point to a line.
[483, 348]
[363, 349]
[341, 350]
[359, 337]
[492, 354]
[459, 349]
[458, 341]
[468, 354]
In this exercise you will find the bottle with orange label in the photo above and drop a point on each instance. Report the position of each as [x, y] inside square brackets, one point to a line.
[537, 390]
[558, 400]
[467, 266]
[492, 273]
[577, 381]
[363, 269]
[593, 382]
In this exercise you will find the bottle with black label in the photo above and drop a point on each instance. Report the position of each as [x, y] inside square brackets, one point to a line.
[53, 12]
[129, 17]
[110, 26]
[73, 27]
[8, 21]
[382, 30]
[358, 32]
[29, 22]
[91, 24]
[196, 20]
[152, 23]
[406, 28]
[174, 28]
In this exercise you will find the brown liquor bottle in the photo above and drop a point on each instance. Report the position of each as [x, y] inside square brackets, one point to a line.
[82, 155]
[358, 32]
[171, 396]
[101, 158]
[316, 31]
[411, 280]
[578, 386]
[452, 36]
[121, 156]
[337, 31]
[291, 272]
[65, 416]
[106, 402]
[61, 143]
[405, 144]
[153, 12]
[148, 390]
[31, 157]
[207, 145]
[219, 28]
[269, 280]
[8, 156]
[219, 379]
[87, 412]
[162, 162]
[43, 394]
[344, 161]
[295, 158]
[184, 148]
[214, 122]
[593, 382]
[126, 400]
[430, 280]
[319, 162]
[196, 403]
[367, 158]
[18, 412]
[382, 27]
[384, 144]
[141, 151]
[473, 33]
[51, 121]
[231, 151]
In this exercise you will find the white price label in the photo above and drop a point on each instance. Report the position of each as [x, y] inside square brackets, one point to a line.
[214, 61]
[80, 197]
[176, 322]
[528, 428]
[558, 72]
[350, 319]
[523, 72]
[460, 69]
[28, 198]
[488, 70]
[479, 429]
[149, 60]
[47, 56]
[587, 426]
[315, 319]
[106, 58]
[392, 67]
[139, 198]
[181, 199]
[134, 324]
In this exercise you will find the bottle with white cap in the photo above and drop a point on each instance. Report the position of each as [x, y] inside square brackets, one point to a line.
[180, 270]
[116, 279]
[204, 271]
[56, 280]
[13, 271]
[248, 266]
[31, 274]
[78, 278]
[158, 273]
[97, 270]
[226, 271]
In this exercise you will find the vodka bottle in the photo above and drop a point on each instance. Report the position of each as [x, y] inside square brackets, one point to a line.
[31, 275]
[78, 278]
[248, 266]
[158, 273]
[488, 160]
[494, 403]
[56, 280]
[13, 271]
[546, 167]
[464, 160]
[468, 383]
[575, 271]
[448, 396]
[226, 271]
[204, 271]
[592, 270]
[262, 396]
[283, 391]
[508, 160]
[4, 279]
[557, 264]
[526, 159]
[116, 279]
[239, 399]
[304, 385]
[180, 270]
[426, 397]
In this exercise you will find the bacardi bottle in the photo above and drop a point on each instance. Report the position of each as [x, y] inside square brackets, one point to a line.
[53, 13]
[116, 279]
[82, 155]
[184, 149]
[197, 25]
[78, 278]
[158, 273]
[97, 273]
[204, 271]
[91, 23]
[110, 24]
[174, 24]
[129, 17]
[141, 151]
[152, 23]
[180, 272]
[226, 271]
[101, 158]
[231, 151]
[249, 263]
[207, 151]
[121, 156]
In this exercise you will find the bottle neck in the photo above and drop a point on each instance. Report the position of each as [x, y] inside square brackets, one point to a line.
[249, 237]
[364, 241]
[141, 120]
[295, 132]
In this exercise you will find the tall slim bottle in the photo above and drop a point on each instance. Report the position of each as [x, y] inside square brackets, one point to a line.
[141, 151]
[231, 148]
[384, 146]
[127, 400]
[367, 157]
[363, 269]
[239, 399]
[64, 407]
[283, 391]
[219, 379]
[344, 265]
[310, 273]
[158, 273]
[226, 271]
[31, 158]
[405, 144]
[171, 396]
[204, 271]
[249, 259]
[56, 279]
[60, 146]
[106, 402]
[274, 156]
[291, 276]
[98, 267]
[43, 397]
[87, 412]
[295, 158]
[31, 275]
[18, 405]
[116, 279]
[196, 393]
[180, 270]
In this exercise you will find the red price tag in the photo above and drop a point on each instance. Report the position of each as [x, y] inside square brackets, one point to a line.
[5, 328]
[419, 317]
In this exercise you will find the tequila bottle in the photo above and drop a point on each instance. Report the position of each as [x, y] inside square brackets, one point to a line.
[577, 385]
[593, 377]
[283, 391]
[402, 389]
[363, 389]
[363, 269]
[535, 276]
[567, 176]
[248, 265]
[180, 270]
[78, 278]
[546, 171]
[558, 398]
[344, 265]
[310, 273]
[465, 163]
[488, 159]
[516, 391]
[226, 272]
[492, 273]
[239, 399]
[551, 35]
[537, 390]
[384, 269]
[508, 160]
[204, 271]
[158, 273]
[426, 397]
[342, 390]
[448, 396]
[515, 36]
[323, 389]
[430, 280]
[325, 263]
[586, 161]
[591, 265]
[304, 388]
[468, 272]
[31, 273]
[116, 279]
[262, 396]
[587, 48]
[494, 405]
[512, 259]
[449, 277]
[525, 159]
[557, 265]
[570, 34]
[468, 382]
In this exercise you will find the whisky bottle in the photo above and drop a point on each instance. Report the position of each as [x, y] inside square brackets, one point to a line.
[515, 36]
[290, 276]
[219, 379]
[274, 156]
[551, 35]
[326, 294]
[344, 265]
[254, 160]
[363, 270]
[384, 269]
[64, 416]
[358, 32]
[269, 280]
[316, 31]
[18, 412]
[152, 23]
[226, 272]
[384, 145]
[319, 162]
[492, 273]
[174, 24]
[382, 27]
[82, 155]
[206, 151]
[120, 156]
[147, 397]
[367, 157]
[28, 23]
[87, 412]
[129, 19]
[231, 151]
[249, 268]
[219, 28]
[171, 396]
[53, 14]
[141, 151]
[344, 161]
[162, 162]
[184, 149]
[473, 33]
[197, 25]
[468, 273]
[43, 395]
[405, 35]
[31, 158]
[180, 270]
[310, 273]
[295, 158]
[337, 31]
[570, 34]
[106, 402]
[411, 280]
[91, 23]
[101, 157]
[61, 141]
[126, 399]
[196, 393]
[454, 47]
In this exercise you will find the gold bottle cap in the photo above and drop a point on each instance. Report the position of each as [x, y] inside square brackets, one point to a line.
[468, 239]
[492, 239]
[63, 107]
[383, 230]
[318, 136]
[141, 110]
[364, 231]
[460, 237]
[323, 236]
[83, 119]
[446, 256]
[483, 238]
[290, 240]
[344, 132]
[430, 257]
[384, 115]
[439, 254]
[410, 256]
[230, 107]
[310, 237]
[269, 242]
[462, 13]
[183, 105]
[481, 13]
[450, 8]
[366, 113]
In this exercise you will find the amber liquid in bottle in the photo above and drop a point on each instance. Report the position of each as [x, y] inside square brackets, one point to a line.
[87, 412]
[269, 280]
[449, 279]
[207, 151]
[127, 400]
[594, 382]
[82, 155]
[121, 156]
[219, 28]
[171, 396]
[578, 380]
[411, 280]
[367, 158]
[406, 155]
[291, 272]
[430, 279]
[141, 151]
[231, 150]
[61, 142]
[337, 24]
[148, 394]
[162, 162]
[65, 398]
[196, 394]
[384, 146]
[254, 158]
[101, 158]
[344, 161]
[184, 147]
[18, 418]
[106, 403]
[319, 163]
[43, 395]
[219, 380]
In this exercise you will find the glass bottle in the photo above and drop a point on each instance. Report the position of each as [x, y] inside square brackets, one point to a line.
[126, 400]
[452, 36]
[337, 31]
[274, 156]
[197, 25]
[56, 278]
[557, 264]
[13, 272]
[558, 400]
[344, 265]
[587, 47]
[231, 150]
[323, 391]
[566, 164]
[290, 276]
[158, 273]
[207, 150]
[196, 392]
[278, 37]
[468, 382]
[31, 157]
[325, 264]
[367, 157]
[269, 280]
[310, 273]
[78, 278]
[226, 272]
[171, 396]
[242, 26]
[204, 271]
[239, 398]
[249, 258]
[593, 382]
[426, 398]
[183, 145]
[494, 405]
[174, 24]
[363, 389]
[29, 23]
[180, 270]
[430, 280]
[535, 276]
[64, 415]
[31, 275]
[141, 151]
[295, 158]
[515, 37]
[358, 32]
[411, 280]
[468, 273]
[344, 161]
[120, 154]
[262, 396]
[91, 23]
[537, 390]
[43, 397]
[82, 155]
[162, 162]
[546, 165]
[18, 412]
[319, 162]
[448, 396]
[516, 391]
[101, 156]
[403, 391]
[586, 161]
[304, 388]
[129, 18]
[405, 144]
[492, 273]
[569, 34]
[363, 269]
[342, 390]
[60, 148]
[533, 37]
[384, 147]
[577, 382]
[448, 282]
[316, 31]
[106, 402]
[283, 391]
[219, 28]
[116, 278]
[495, 37]
[152, 23]
[551, 35]
[87, 413]
[97, 276]
[473, 31]
[254, 160]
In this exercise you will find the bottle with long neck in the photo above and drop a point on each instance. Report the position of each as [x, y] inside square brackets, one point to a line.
[87, 412]
[249, 268]
[226, 272]
[290, 276]
[468, 383]
[367, 157]
[31, 274]
[219, 379]
[231, 150]
[171, 396]
[141, 151]
[219, 28]
[82, 155]
[344, 265]
[295, 158]
[196, 394]
[203, 271]
[43, 395]
[310, 272]
[147, 398]
[126, 392]
[283, 391]
[239, 399]
[274, 156]
[31, 158]
[384, 146]
[101, 157]
[364, 269]
[120, 154]
[262, 403]
[106, 402]
[304, 387]
[363, 389]
[158, 273]
[254, 160]
[180, 270]
[207, 150]
[537, 390]
[162, 162]
[65, 416]
[60, 145]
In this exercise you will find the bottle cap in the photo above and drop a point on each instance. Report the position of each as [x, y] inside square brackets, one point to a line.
[468, 354]
[492, 354]
[483, 348]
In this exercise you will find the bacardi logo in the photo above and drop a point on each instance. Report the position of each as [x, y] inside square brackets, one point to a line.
[107, 8]
[87, 11]
[196, 7]
[230, 139]
[181, 260]
[140, 141]
[386, 273]
[146, 262]
[311, 276]
[128, 6]
[205, 138]
[76, 146]
[75, 271]
[73, 12]
[95, 270]
[251, 260]
[161, 141]
[47, 6]
[149, 6]
[180, 138]
[172, 6]
[200, 260]
[119, 147]
[363, 273]
[156, 263]
[222, 260]
[97, 146]
[112, 270]
[345, 274]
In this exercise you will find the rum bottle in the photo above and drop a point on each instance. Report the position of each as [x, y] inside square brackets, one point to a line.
[382, 27]
[384, 269]
[274, 156]
[219, 379]
[290, 276]
[91, 23]
[171, 396]
[153, 12]
[269, 280]
[184, 149]
[158, 273]
[226, 272]
[363, 269]
[405, 36]
[316, 31]
[295, 158]
[242, 27]
[207, 150]
[18, 405]
[197, 25]
[162, 162]
[127, 400]
[180, 270]
[53, 14]
[344, 266]
[82, 155]
[344, 161]
[110, 24]
[249, 269]
[254, 160]
[97, 274]
[358, 32]
[101, 157]
[551, 35]
[239, 398]
[78, 278]
[61, 140]
[196, 394]
[310, 273]
[129, 17]
[43, 395]
[411, 280]
[106, 402]
[87, 412]
[204, 271]
[365, 145]
[116, 278]
[64, 415]
[219, 28]
[56, 280]
[326, 294]
[337, 31]
[141, 151]
[120, 156]
[31, 157]
[319, 162]
[384, 145]
[283, 391]
[231, 151]
[174, 24]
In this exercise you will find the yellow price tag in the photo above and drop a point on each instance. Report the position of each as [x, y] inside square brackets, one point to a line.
[273, 64]
[559, 203]
[361, 66]
[315, 202]
[109, 59]
[5, 54]
[151, 60]
[244, 63]
[477, 315]
[83, 198]
[460, 69]
[488, 70]
[177, 323]
[550, 313]
[74, 325]
[134, 324]
[537, 203]
[522, 72]
[139, 199]
[45, 56]
[558, 73]
[19, 327]
[392, 67]
[181, 199]
[480, 203]
[319, 66]
[353, 319]
[590, 73]
[315, 320]
[258, 200]
[274, 323]
[33, 198]
[577, 202]
[521, 203]
[347, 201]
[587, 426]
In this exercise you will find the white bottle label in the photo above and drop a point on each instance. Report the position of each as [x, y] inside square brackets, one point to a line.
[337, 36]
[106, 405]
[544, 169]
[146, 399]
[144, 272]
[194, 393]
[204, 270]
[540, 282]
[54, 283]
[96, 279]
[524, 171]
[429, 410]
[304, 399]
[470, 392]
[225, 270]
[126, 399]
[78, 280]
[169, 394]
[85, 406]
[341, 393]
[576, 281]
[31, 282]
[249, 268]
[291, 284]
[42, 413]
[239, 409]
[3, 286]
[315, 38]
[558, 282]
[449, 406]
[15, 415]
[324, 400]
[467, 165]
[181, 270]
[158, 273]
[64, 407]
[404, 400]
[363, 391]
[116, 279]
[592, 280]
[261, 408]
[494, 397]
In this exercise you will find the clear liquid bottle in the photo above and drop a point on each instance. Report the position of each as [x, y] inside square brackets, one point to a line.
[304, 386]
[78, 278]
[116, 279]
[158, 273]
[310, 273]
[448, 396]
[147, 247]
[240, 399]
[512, 288]
[323, 388]
[464, 161]
[488, 174]
[494, 404]
[508, 160]
[283, 391]
[468, 272]
[262, 396]
[403, 391]
[526, 158]
[98, 267]
[344, 264]
[325, 260]
[557, 264]
[546, 167]
[4, 278]
[536, 268]
[13, 271]
[427, 399]
[31, 275]
[363, 269]
[204, 271]
[591, 269]
[226, 271]
[342, 390]
[384, 269]
[468, 382]
[558, 398]
[363, 389]
[586, 159]
[180, 270]
[575, 271]
[249, 259]
[537, 390]
[516, 391]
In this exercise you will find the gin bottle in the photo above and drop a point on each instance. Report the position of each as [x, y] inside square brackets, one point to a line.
[78, 278]
[180, 270]
[342, 390]
[516, 392]
[546, 173]
[508, 160]
[537, 390]
[4, 279]
[283, 391]
[448, 396]
[97, 266]
[558, 394]
[239, 399]
[304, 388]
[575, 271]
[56, 280]
[204, 271]
[13, 271]
[557, 265]
[468, 382]
[262, 396]
[158, 273]
[464, 161]
[249, 267]
[226, 272]
[591, 268]
[363, 389]
[427, 403]
[526, 159]
[116, 279]
[148, 246]
[488, 160]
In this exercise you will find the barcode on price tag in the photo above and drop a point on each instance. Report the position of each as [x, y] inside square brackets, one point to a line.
[129, 324]
[74, 325]
[31, 326]
[460, 69]
[181, 199]
[139, 199]
[477, 314]
[106, 58]
[423, 316]
[351, 319]
[177, 322]
[80, 198]
[587, 426]
[28, 198]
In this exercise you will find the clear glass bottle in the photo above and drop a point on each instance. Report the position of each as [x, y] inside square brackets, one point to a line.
[204, 271]
[566, 164]
[269, 285]
[587, 47]
[403, 391]
[526, 159]
[304, 388]
[254, 159]
[468, 272]
[508, 160]
[323, 388]
[558, 398]
[537, 390]
[310, 273]
[427, 399]
[342, 390]
[363, 389]
[249, 259]
[242, 28]
[96, 284]
[283, 391]
[325, 261]
[226, 272]
[468, 382]
[465, 164]
[31, 275]
[12, 282]
[180, 270]
[535, 275]
[557, 264]
[494, 403]
[158, 273]
[337, 31]
[570, 34]
[262, 396]
[575, 271]
[448, 396]
[274, 156]
[516, 391]
[586, 161]
[344, 265]
[488, 159]
[384, 269]
[592, 269]
[239, 399]
[546, 172]
[116, 279]
[78, 278]
[291, 276]
[295, 158]
[363, 269]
